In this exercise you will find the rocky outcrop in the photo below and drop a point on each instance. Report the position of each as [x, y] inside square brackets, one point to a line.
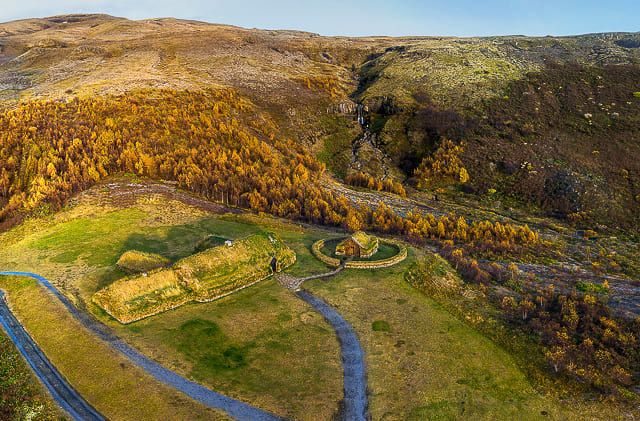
[345, 107]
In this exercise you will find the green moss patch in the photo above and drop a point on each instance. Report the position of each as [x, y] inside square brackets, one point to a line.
[380, 326]
[21, 396]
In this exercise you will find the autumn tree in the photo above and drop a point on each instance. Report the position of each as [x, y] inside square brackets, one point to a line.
[444, 165]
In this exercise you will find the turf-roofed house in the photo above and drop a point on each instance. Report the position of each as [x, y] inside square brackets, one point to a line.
[204, 276]
[358, 245]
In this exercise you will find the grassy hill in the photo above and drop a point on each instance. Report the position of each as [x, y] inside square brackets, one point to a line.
[564, 139]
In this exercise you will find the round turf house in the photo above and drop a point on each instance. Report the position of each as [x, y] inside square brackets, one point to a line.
[358, 245]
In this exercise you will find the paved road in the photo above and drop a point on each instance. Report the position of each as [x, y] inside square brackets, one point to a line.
[62, 392]
[355, 382]
[236, 409]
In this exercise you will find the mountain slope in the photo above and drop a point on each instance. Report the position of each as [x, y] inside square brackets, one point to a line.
[414, 91]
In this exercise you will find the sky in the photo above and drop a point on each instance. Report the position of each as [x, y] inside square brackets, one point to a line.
[362, 18]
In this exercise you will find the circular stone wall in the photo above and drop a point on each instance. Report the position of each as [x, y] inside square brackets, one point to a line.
[362, 264]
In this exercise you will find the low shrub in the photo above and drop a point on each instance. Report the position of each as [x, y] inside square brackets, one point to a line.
[590, 287]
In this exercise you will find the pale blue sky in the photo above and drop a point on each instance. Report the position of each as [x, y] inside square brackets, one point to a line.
[373, 17]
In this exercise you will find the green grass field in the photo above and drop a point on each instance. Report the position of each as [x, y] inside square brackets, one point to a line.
[262, 344]
[424, 364]
[102, 376]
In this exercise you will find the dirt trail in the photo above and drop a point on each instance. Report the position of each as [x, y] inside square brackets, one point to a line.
[293, 283]
[236, 409]
[355, 382]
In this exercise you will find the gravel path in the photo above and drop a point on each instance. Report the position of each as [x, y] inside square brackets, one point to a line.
[355, 383]
[236, 409]
[293, 283]
[62, 392]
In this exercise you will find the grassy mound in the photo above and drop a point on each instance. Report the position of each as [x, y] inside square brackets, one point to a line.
[224, 269]
[134, 261]
[204, 276]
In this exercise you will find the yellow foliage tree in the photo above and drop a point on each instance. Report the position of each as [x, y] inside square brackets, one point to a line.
[464, 175]
[444, 165]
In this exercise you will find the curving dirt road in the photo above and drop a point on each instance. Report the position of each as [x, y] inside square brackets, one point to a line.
[355, 382]
[355, 395]
[236, 409]
[62, 392]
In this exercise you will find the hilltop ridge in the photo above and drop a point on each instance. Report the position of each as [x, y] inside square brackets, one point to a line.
[94, 49]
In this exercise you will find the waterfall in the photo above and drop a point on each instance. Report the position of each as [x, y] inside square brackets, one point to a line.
[361, 114]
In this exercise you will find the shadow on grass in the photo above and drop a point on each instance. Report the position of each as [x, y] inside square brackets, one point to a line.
[173, 242]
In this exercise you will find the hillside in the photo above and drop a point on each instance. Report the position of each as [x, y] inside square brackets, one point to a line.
[413, 90]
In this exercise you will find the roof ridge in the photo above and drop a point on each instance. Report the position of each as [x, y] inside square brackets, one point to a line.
[357, 242]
